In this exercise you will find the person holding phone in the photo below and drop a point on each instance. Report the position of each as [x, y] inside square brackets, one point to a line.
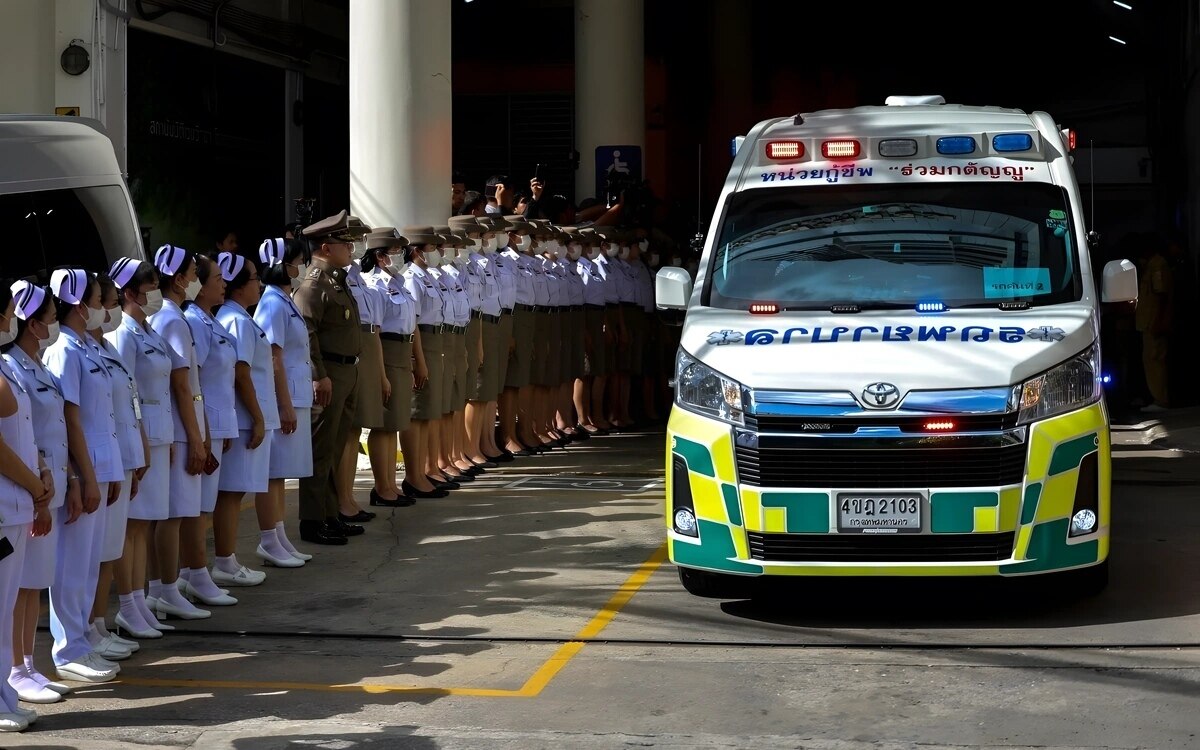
[215, 356]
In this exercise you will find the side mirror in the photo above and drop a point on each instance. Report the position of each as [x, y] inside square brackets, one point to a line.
[672, 290]
[1120, 282]
[1093, 239]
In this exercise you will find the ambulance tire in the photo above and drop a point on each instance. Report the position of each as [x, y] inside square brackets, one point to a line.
[716, 585]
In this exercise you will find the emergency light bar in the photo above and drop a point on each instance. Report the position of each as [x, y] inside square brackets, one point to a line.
[842, 149]
[785, 150]
[764, 308]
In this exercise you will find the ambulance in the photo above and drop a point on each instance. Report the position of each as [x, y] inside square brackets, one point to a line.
[889, 362]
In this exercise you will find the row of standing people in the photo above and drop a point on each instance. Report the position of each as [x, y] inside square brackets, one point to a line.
[135, 404]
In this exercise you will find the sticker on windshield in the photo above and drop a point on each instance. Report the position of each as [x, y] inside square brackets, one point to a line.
[1015, 282]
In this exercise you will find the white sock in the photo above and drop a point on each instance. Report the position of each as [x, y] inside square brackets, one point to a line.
[132, 613]
[156, 587]
[171, 595]
[101, 627]
[31, 670]
[139, 599]
[201, 581]
[185, 575]
[270, 543]
[20, 679]
[94, 636]
[281, 535]
[228, 565]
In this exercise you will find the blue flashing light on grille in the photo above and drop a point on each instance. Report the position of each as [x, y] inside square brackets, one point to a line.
[1012, 142]
[957, 144]
[931, 307]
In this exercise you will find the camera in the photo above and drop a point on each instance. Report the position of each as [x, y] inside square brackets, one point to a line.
[304, 208]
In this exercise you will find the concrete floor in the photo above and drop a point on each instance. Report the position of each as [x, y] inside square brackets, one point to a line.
[458, 623]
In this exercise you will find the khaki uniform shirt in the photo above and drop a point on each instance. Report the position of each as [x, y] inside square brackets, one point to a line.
[330, 314]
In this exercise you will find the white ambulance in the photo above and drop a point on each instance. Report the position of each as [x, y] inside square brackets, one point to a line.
[889, 362]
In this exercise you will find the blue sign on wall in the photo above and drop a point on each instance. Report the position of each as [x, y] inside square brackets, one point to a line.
[621, 161]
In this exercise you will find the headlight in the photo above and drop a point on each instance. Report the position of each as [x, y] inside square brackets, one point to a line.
[1071, 385]
[702, 389]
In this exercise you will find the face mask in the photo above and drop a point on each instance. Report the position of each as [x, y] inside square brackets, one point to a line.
[675, 262]
[464, 254]
[398, 268]
[524, 243]
[301, 272]
[447, 256]
[9, 335]
[95, 318]
[193, 289]
[654, 259]
[612, 250]
[574, 251]
[644, 244]
[484, 245]
[624, 253]
[433, 258]
[51, 336]
[593, 253]
[153, 302]
[113, 322]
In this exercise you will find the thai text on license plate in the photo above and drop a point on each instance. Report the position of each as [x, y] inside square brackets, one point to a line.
[883, 513]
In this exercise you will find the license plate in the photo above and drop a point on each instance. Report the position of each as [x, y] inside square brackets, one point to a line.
[881, 513]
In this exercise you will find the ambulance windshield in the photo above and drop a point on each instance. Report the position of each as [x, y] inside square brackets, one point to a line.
[891, 246]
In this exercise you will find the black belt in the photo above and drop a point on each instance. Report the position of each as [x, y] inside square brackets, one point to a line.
[631, 304]
[481, 315]
[527, 308]
[506, 311]
[368, 327]
[401, 337]
[427, 328]
[339, 359]
[456, 329]
[594, 307]
[576, 308]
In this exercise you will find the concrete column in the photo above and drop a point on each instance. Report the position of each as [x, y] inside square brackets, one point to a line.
[609, 82]
[400, 110]
[293, 143]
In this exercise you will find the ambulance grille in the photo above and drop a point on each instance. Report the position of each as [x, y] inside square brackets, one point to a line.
[881, 547]
[880, 468]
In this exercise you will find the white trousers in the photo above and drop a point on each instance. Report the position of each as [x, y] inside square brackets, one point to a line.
[10, 584]
[74, 588]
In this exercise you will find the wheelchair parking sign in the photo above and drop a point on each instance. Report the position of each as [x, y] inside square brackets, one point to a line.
[617, 161]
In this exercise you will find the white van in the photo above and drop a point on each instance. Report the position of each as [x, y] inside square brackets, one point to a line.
[889, 361]
[63, 199]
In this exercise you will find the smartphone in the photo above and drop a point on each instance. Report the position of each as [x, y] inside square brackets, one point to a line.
[537, 172]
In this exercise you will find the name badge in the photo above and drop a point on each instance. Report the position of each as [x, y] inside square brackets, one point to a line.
[137, 408]
[347, 314]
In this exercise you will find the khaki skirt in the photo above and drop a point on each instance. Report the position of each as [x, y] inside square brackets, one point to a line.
[455, 356]
[474, 384]
[597, 355]
[491, 378]
[427, 402]
[578, 328]
[547, 371]
[368, 410]
[397, 363]
[519, 371]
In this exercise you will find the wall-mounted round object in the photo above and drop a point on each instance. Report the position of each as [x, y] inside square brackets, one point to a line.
[75, 59]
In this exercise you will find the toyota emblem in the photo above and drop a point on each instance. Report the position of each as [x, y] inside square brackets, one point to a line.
[880, 395]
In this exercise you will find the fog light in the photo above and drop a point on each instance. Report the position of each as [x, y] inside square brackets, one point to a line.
[1083, 522]
[685, 522]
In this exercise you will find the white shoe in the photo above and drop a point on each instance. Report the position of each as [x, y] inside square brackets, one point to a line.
[86, 669]
[269, 559]
[28, 714]
[123, 624]
[38, 694]
[13, 723]
[156, 622]
[243, 577]
[164, 608]
[58, 687]
[111, 650]
[102, 661]
[131, 646]
[222, 599]
[298, 554]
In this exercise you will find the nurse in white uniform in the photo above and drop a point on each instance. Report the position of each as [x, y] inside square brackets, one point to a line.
[75, 362]
[26, 487]
[146, 355]
[282, 268]
[216, 356]
[134, 452]
[37, 328]
[247, 463]
[191, 448]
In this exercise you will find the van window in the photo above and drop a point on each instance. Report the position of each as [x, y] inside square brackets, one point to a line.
[895, 246]
[85, 228]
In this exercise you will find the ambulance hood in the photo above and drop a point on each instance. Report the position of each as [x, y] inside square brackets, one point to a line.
[818, 351]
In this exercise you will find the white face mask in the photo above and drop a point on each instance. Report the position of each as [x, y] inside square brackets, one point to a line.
[447, 256]
[624, 252]
[395, 265]
[433, 258]
[301, 272]
[644, 244]
[9, 335]
[193, 289]
[524, 242]
[612, 249]
[675, 262]
[653, 259]
[95, 318]
[113, 322]
[153, 302]
[593, 253]
[398, 267]
[485, 245]
[574, 251]
[52, 331]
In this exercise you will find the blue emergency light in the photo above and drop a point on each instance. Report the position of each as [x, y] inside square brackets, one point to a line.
[956, 144]
[1008, 142]
[931, 307]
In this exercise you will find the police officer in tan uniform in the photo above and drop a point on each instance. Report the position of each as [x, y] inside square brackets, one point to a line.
[333, 325]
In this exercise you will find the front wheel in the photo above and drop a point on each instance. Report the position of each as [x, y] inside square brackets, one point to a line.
[716, 585]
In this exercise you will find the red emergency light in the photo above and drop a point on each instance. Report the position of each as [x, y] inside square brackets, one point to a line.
[840, 149]
[941, 425]
[785, 150]
[764, 308]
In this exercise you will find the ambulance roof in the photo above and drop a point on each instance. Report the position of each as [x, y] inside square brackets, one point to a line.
[919, 118]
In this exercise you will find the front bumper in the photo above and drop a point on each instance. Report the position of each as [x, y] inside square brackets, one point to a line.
[1012, 529]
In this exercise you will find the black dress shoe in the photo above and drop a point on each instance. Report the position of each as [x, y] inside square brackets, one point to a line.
[580, 433]
[360, 517]
[504, 458]
[488, 465]
[316, 532]
[400, 502]
[466, 476]
[449, 485]
[347, 529]
[411, 491]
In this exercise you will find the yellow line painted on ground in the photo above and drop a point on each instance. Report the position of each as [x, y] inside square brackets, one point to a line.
[532, 687]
